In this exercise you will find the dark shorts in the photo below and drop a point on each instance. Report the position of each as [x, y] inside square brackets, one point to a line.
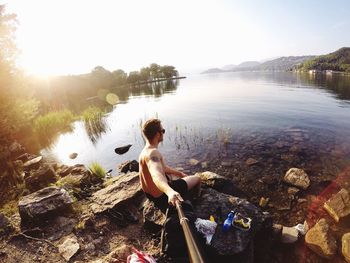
[161, 202]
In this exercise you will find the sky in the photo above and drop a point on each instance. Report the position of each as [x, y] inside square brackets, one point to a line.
[72, 37]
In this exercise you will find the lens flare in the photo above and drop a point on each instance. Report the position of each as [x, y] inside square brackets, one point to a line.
[112, 98]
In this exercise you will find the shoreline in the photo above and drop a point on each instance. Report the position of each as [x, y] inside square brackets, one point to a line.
[304, 205]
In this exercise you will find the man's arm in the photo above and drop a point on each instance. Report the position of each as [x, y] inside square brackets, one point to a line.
[155, 168]
[169, 170]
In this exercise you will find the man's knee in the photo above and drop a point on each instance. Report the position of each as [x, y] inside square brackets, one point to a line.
[197, 178]
[193, 181]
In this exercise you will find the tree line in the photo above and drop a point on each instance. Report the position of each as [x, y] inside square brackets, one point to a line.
[337, 61]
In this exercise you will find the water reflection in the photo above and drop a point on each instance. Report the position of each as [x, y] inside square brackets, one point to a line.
[95, 127]
[337, 84]
[156, 89]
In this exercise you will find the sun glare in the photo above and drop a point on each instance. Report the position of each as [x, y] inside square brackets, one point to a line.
[68, 39]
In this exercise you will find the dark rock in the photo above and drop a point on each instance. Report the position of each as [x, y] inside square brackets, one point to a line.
[121, 190]
[59, 227]
[235, 244]
[5, 225]
[64, 170]
[41, 178]
[152, 216]
[81, 185]
[79, 169]
[73, 155]
[277, 231]
[129, 166]
[220, 183]
[213, 180]
[122, 149]
[235, 241]
[44, 203]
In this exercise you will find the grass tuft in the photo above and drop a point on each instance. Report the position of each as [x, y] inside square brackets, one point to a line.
[97, 169]
[53, 122]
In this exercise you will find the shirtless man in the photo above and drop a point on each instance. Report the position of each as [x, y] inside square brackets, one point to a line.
[157, 179]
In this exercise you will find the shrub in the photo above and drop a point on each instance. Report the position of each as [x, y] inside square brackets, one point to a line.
[92, 114]
[53, 122]
[97, 169]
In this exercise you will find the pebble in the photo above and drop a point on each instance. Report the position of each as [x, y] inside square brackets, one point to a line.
[289, 235]
[193, 162]
[263, 201]
[251, 161]
[204, 165]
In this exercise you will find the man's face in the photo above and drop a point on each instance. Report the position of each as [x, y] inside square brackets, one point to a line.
[161, 133]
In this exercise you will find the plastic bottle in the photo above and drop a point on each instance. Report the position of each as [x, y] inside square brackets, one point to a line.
[228, 221]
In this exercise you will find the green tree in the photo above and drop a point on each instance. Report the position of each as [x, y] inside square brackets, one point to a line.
[8, 53]
[134, 76]
[119, 77]
[145, 73]
[168, 71]
[154, 71]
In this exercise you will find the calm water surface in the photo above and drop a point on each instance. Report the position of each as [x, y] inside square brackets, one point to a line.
[280, 119]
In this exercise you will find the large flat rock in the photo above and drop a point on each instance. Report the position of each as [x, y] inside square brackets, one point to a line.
[121, 190]
[42, 203]
[235, 244]
[235, 241]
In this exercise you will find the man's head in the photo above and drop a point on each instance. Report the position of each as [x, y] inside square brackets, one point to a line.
[153, 129]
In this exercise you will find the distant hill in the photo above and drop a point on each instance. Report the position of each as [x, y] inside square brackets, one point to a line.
[338, 61]
[248, 64]
[283, 63]
[213, 70]
[229, 67]
[278, 64]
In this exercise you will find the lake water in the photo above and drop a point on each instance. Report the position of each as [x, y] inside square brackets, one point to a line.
[280, 119]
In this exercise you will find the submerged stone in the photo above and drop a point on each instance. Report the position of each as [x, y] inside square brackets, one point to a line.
[289, 235]
[320, 240]
[297, 177]
[338, 206]
[251, 161]
[346, 246]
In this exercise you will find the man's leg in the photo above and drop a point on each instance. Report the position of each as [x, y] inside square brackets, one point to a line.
[193, 184]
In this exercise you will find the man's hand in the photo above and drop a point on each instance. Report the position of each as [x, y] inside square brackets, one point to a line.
[173, 197]
[183, 175]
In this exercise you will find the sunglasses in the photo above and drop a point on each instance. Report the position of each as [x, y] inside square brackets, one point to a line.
[162, 131]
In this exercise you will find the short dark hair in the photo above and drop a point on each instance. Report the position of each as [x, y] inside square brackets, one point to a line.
[150, 128]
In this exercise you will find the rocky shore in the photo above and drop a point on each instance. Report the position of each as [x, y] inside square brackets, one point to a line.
[58, 213]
